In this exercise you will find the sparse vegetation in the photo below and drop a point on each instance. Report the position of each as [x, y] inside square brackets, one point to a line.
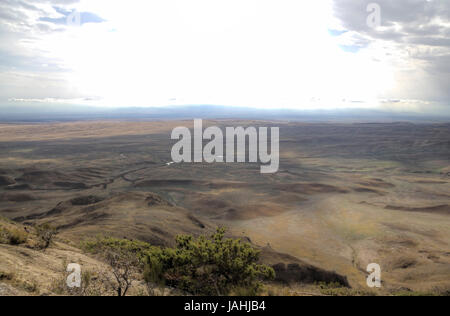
[336, 289]
[6, 276]
[13, 236]
[45, 233]
[17, 237]
[418, 293]
[200, 266]
[30, 286]
[90, 285]
[212, 265]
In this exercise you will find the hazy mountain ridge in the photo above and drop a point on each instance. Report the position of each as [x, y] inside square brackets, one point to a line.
[48, 113]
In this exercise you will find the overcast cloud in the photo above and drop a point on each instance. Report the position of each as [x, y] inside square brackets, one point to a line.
[416, 33]
[261, 53]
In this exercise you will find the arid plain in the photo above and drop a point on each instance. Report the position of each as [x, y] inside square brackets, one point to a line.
[346, 195]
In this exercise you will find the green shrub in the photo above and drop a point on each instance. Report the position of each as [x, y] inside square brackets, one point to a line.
[209, 266]
[154, 276]
[102, 244]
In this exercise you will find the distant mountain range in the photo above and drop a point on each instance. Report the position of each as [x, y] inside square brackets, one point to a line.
[74, 113]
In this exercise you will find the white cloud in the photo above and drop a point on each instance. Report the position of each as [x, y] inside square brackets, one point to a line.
[261, 53]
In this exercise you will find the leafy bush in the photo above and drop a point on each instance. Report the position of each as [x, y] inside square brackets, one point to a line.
[208, 266]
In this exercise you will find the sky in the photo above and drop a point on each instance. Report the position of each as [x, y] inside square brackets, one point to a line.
[315, 54]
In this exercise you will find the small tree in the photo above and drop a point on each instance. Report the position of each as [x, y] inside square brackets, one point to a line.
[46, 233]
[124, 266]
[125, 257]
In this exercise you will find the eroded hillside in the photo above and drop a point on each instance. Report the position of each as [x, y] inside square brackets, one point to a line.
[346, 195]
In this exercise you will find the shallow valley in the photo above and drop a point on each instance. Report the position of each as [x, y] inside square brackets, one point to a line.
[346, 195]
